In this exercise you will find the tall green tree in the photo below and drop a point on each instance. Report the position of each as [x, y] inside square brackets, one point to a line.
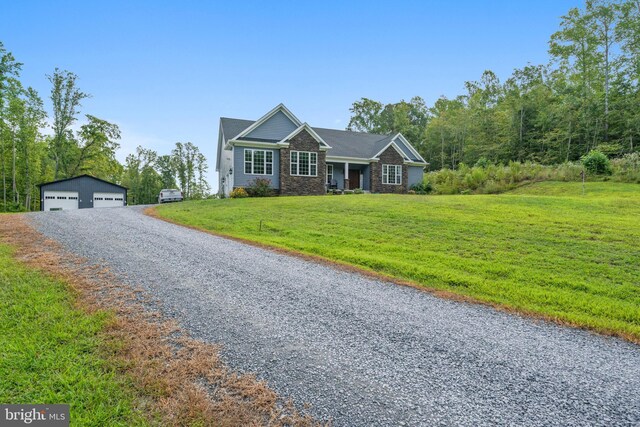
[164, 166]
[66, 98]
[141, 178]
[9, 89]
[604, 15]
[26, 116]
[190, 166]
[95, 149]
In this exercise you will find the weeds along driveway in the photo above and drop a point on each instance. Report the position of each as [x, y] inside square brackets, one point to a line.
[362, 352]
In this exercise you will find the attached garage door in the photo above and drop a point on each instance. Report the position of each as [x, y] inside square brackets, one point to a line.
[60, 200]
[108, 200]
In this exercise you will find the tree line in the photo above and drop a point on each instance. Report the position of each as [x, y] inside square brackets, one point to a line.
[587, 97]
[37, 147]
[146, 173]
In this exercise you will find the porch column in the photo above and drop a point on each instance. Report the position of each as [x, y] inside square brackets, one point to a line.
[346, 175]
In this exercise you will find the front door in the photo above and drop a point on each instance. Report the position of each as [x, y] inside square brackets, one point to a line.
[354, 179]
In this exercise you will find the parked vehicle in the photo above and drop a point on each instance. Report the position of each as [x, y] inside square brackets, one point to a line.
[170, 195]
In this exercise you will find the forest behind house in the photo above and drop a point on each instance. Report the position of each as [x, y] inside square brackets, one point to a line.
[585, 100]
[580, 113]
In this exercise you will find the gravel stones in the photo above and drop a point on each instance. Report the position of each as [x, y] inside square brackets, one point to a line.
[362, 352]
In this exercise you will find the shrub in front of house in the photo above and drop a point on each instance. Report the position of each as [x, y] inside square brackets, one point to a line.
[421, 188]
[260, 187]
[238, 193]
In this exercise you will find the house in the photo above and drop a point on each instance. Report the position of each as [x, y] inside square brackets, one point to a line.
[80, 192]
[302, 160]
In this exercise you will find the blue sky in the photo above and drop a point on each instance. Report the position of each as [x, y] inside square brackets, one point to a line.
[166, 71]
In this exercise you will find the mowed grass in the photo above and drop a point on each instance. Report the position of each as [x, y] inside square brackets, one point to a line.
[51, 352]
[545, 249]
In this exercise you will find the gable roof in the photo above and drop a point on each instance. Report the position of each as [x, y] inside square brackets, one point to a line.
[233, 127]
[81, 176]
[342, 143]
[280, 108]
[311, 132]
[396, 147]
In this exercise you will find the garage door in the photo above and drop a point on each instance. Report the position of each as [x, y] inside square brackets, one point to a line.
[60, 200]
[108, 200]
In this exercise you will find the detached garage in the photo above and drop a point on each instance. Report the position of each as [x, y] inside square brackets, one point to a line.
[81, 192]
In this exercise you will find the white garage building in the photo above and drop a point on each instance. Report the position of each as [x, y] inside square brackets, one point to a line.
[81, 192]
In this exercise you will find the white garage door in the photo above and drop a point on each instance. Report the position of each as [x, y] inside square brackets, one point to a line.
[60, 200]
[108, 200]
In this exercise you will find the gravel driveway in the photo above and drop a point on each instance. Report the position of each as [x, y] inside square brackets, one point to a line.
[362, 352]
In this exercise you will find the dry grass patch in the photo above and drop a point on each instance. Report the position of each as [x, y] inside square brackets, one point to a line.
[179, 380]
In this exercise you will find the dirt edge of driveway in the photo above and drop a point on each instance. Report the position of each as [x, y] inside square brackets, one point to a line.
[180, 380]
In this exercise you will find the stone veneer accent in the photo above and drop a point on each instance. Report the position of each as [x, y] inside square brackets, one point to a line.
[389, 157]
[302, 185]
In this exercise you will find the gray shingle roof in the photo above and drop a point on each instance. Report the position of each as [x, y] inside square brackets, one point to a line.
[343, 143]
[232, 127]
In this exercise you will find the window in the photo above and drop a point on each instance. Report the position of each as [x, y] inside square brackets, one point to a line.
[329, 174]
[304, 163]
[258, 162]
[392, 174]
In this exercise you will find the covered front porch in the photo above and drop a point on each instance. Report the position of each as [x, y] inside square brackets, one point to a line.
[358, 175]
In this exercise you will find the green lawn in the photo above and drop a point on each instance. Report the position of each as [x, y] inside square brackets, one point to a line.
[50, 352]
[544, 249]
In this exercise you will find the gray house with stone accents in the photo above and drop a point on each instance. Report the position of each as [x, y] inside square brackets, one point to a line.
[299, 159]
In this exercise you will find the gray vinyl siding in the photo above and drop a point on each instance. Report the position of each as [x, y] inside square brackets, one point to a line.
[416, 174]
[85, 186]
[276, 128]
[338, 174]
[240, 179]
[406, 150]
[366, 177]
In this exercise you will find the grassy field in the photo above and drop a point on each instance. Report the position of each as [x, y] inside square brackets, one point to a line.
[545, 249]
[50, 352]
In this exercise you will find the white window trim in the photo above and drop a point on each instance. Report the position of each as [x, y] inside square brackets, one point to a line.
[244, 162]
[396, 174]
[297, 163]
[329, 174]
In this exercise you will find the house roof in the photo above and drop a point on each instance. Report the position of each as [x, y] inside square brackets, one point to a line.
[81, 176]
[233, 127]
[343, 143]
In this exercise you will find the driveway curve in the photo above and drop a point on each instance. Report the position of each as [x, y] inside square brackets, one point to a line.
[362, 352]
